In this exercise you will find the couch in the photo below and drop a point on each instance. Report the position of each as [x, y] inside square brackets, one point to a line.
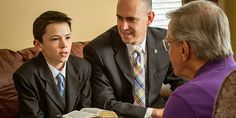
[9, 61]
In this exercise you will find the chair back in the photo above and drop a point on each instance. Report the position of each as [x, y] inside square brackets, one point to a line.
[225, 104]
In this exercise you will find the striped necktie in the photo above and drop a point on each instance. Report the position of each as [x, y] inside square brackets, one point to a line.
[61, 85]
[139, 77]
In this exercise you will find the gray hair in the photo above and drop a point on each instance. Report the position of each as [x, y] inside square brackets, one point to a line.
[204, 26]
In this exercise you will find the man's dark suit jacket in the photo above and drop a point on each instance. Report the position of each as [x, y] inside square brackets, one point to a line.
[37, 92]
[112, 80]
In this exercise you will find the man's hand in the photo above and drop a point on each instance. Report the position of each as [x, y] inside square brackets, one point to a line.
[157, 113]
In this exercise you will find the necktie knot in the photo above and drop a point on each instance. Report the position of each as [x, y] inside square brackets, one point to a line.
[61, 84]
[137, 55]
[138, 49]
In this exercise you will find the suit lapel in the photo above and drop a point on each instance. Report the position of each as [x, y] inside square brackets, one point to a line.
[156, 57]
[50, 85]
[152, 52]
[122, 59]
[72, 86]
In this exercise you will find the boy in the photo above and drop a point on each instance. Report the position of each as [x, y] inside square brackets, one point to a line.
[54, 82]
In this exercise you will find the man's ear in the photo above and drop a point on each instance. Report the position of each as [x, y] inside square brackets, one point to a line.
[185, 50]
[150, 15]
[37, 45]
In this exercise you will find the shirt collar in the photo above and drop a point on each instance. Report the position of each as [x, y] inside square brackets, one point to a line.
[55, 71]
[132, 47]
[215, 64]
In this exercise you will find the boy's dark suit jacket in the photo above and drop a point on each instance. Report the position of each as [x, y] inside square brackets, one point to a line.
[37, 92]
[112, 80]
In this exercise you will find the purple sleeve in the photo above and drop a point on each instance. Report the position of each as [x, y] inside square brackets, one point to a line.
[177, 107]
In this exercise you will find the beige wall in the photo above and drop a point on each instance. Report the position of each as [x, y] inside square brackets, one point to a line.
[230, 10]
[89, 19]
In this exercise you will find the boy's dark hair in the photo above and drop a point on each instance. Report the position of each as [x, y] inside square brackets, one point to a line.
[48, 17]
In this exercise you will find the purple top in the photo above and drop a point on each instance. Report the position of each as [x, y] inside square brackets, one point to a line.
[195, 99]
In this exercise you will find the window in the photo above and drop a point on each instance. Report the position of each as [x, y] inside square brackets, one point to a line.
[161, 7]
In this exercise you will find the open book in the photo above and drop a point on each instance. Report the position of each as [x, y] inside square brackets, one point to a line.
[91, 113]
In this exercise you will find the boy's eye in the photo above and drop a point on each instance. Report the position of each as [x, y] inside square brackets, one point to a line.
[68, 37]
[54, 39]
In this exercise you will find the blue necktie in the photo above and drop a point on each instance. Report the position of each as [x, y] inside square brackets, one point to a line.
[139, 77]
[61, 85]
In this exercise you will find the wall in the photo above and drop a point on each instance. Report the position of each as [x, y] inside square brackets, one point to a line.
[89, 19]
[230, 9]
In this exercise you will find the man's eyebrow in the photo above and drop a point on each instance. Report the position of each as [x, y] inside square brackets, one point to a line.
[128, 18]
[119, 16]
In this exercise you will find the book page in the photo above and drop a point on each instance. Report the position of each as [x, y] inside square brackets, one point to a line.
[79, 114]
[92, 110]
[101, 112]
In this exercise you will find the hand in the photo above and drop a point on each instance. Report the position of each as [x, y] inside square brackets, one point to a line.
[157, 113]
